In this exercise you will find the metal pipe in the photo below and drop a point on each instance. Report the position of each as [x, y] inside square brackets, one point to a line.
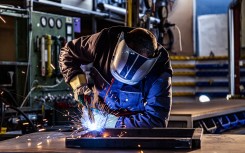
[194, 29]
[13, 63]
[49, 55]
[13, 14]
[28, 70]
[73, 8]
[129, 13]
[94, 21]
[43, 57]
[231, 52]
[12, 8]
[20, 13]
[122, 11]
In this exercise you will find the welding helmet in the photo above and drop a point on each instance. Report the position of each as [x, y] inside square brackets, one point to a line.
[128, 66]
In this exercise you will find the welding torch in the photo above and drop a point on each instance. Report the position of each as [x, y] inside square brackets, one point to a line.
[87, 102]
[82, 93]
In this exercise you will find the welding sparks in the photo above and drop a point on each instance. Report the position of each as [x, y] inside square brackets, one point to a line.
[99, 121]
[122, 134]
[39, 144]
[81, 120]
[105, 134]
[93, 126]
[83, 125]
[43, 129]
[25, 123]
[52, 66]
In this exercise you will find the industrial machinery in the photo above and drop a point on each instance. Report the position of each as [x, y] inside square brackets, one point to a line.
[47, 89]
[30, 81]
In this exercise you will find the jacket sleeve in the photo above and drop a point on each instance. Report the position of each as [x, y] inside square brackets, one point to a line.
[157, 108]
[76, 52]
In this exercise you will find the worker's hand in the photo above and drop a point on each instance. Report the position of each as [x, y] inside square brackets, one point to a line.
[81, 90]
[83, 95]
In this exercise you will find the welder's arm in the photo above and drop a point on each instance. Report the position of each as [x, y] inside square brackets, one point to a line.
[157, 109]
[74, 53]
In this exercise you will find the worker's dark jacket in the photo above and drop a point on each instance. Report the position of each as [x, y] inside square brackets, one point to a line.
[149, 101]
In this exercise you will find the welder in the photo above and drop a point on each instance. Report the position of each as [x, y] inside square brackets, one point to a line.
[131, 76]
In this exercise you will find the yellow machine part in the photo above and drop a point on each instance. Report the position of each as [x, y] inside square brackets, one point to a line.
[49, 49]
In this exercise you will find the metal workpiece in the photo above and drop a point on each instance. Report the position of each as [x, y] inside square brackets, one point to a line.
[144, 138]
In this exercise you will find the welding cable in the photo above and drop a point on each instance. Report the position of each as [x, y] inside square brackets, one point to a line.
[58, 82]
[9, 97]
[5, 100]
[41, 86]
[29, 93]
[112, 81]
[24, 115]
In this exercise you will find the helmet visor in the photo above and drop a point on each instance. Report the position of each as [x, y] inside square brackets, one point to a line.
[127, 65]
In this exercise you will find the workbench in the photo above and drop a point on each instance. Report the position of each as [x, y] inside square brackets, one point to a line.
[194, 111]
[55, 142]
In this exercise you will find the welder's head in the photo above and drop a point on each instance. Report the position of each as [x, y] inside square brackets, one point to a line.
[134, 56]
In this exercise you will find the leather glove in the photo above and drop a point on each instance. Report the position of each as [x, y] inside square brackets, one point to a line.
[80, 89]
[82, 95]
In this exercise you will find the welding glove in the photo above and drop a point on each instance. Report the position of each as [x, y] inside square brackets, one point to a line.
[80, 89]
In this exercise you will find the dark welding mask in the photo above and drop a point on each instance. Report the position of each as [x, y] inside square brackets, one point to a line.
[128, 66]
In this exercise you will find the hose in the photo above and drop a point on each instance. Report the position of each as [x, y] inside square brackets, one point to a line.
[22, 113]
[9, 97]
